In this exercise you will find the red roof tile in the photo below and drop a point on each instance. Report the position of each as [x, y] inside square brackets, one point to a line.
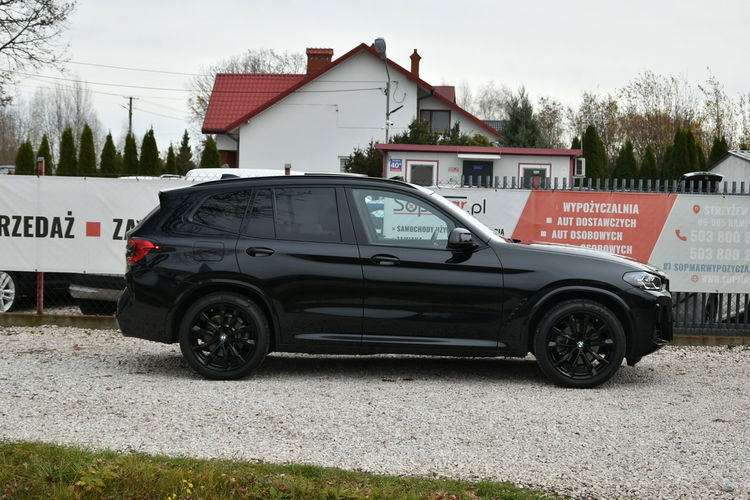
[236, 95]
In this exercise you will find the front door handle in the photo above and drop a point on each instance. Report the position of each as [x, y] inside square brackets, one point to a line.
[259, 251]
[385, 260]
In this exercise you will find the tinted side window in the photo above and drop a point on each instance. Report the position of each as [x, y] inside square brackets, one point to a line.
[222, 211]
[260, 216]
[307, 214]
[401, 220]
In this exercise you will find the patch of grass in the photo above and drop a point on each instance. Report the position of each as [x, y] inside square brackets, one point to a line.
[37, 470]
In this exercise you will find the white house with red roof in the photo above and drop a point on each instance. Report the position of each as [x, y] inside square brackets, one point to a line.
[313, 122]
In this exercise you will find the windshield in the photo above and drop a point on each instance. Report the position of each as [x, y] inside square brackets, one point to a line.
[470, 221]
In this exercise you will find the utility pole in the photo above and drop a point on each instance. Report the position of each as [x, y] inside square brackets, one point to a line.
[129, 107]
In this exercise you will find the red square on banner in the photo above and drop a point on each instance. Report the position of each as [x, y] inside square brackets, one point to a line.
[93, 229]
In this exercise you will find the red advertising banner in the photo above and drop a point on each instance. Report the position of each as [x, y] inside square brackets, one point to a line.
[626, 224]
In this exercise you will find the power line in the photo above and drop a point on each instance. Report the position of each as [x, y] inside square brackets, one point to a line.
[134, 69]
[168, 89]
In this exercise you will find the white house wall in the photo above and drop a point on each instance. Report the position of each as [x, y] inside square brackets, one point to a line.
[450, 166]
[327, 118]
[225, 143]
[734, 170]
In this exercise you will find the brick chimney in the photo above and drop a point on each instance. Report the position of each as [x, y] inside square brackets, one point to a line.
[415, 63]
[318, 59]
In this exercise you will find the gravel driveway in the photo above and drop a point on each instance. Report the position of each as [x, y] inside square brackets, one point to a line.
[677, 425]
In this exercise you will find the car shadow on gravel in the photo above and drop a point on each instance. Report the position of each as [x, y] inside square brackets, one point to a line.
[401, 368]
[381, 368]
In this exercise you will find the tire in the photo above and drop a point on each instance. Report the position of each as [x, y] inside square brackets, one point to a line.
[8, 291]
[224, 336]
[97, 307]
[579, 343]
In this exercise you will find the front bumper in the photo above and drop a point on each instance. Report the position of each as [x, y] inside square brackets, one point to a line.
[652, 322]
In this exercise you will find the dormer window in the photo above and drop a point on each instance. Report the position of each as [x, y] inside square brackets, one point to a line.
[438, 120]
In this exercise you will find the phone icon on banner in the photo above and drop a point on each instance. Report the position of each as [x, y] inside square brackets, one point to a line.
[679, 235]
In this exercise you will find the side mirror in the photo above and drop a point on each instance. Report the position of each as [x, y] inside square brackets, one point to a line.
[460, 240]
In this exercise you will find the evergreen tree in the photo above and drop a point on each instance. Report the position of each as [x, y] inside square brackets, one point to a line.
[108, 158]
[626, 166]
[185, 155]
[119, 162]
[576, 144]
[694, 152]
[593, 151]
[149, 155]
[701, 162]
[130, 156]
[170, 167]
[648, 167]
[667, 166]
[522, 128]
[68, 164]
[684, 154]
[718, 149]
[417, 133]
[46, 154]
[86, 153]
[25, 164]
[367, 161]
[210, 157]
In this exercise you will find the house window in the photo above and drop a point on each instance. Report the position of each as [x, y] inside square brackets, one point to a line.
[342, 163]
[439, 121]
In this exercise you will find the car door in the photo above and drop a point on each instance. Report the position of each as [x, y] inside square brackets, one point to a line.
[297, 249]
[417, 293]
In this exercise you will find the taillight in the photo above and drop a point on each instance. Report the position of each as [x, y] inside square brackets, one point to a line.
[138, 248]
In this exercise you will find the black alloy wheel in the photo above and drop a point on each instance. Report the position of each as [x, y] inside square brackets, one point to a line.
[224, 336]
[579, 343]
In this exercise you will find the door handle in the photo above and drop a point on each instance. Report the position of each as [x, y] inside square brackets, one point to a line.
[385, 260]
[259, 251]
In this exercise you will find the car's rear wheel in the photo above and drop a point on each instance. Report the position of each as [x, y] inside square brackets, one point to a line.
[224, 336]
[8, 290]
[579, 343]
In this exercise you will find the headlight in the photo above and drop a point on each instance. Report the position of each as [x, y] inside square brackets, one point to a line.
[643, 280]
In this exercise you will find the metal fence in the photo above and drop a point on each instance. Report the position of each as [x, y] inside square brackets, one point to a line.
[617, 185]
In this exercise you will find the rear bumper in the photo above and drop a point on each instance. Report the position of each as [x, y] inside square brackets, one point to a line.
[141, 320]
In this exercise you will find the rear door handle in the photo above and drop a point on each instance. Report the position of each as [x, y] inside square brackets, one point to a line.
[259, 251]
[385, 260]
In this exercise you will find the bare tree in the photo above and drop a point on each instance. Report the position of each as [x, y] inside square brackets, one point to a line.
[29, 33]
[491, 101]
[718, 111]
[252, 61]
[655, 106]
[465, 96]
[603, 112]
[56, 108]
[551, 117]
[743, 121]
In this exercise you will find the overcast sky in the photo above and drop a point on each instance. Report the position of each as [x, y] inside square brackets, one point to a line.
[556, 49]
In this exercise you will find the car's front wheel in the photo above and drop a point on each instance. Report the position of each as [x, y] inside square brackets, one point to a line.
[8, 290]
[224, 336]
[579, 343]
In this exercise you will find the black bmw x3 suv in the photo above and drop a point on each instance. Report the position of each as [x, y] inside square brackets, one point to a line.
[235, 269]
